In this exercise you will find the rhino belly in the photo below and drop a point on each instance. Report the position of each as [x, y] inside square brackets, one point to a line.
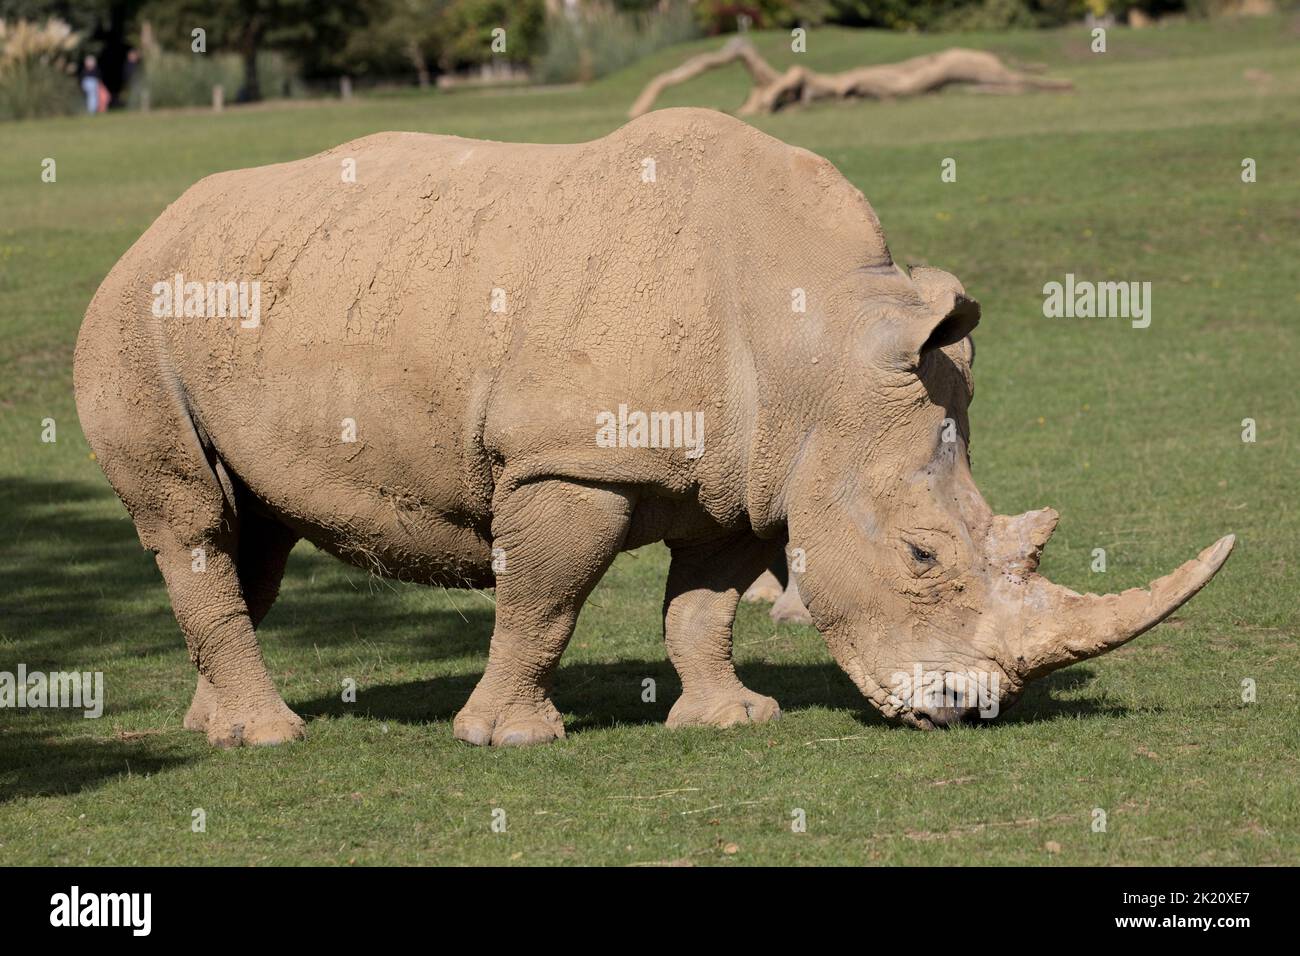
[373, 461]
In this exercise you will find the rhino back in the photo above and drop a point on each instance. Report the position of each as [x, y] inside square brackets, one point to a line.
[469, 308]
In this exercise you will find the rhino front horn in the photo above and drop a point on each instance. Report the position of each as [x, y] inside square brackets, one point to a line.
[1072, 627]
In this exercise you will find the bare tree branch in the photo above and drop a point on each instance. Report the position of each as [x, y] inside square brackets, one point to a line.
[773, 90]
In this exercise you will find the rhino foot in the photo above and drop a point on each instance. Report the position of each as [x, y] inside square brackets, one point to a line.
[790, 609]
[766, 589]
[201, 707]
[254, 727]
[241, 723]
[512, 724]
[726, 708]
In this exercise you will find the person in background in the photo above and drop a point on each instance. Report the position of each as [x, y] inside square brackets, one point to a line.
[129, 69]
[90, 83]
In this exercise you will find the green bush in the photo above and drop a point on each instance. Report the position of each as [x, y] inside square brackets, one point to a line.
[36, 69]
[187, 79]
[603, 41]
[722, 16]
[467, 27]
[34, 89]
[989, 15]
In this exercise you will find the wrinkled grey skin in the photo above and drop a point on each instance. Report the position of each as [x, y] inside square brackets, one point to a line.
[476, 427]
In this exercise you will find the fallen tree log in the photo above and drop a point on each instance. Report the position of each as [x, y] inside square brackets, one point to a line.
[773, 90]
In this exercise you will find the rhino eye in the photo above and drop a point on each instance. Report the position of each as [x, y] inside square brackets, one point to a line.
[921, 554]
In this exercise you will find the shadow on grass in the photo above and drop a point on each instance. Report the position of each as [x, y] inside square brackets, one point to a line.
[76, 587]
[610, 694]
[79, 593]
[66, 572]
[1039, 701]
[47, 760]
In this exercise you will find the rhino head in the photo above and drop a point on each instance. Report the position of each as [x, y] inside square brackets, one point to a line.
[928, 600]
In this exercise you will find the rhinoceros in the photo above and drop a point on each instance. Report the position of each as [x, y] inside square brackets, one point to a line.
[481, 364]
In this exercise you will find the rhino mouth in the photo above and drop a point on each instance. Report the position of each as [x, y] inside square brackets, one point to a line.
[941, 719]
[916, 720]
[960, 715]
[900, 712]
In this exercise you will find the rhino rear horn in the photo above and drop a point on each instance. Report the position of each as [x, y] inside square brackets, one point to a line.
[1016, 543]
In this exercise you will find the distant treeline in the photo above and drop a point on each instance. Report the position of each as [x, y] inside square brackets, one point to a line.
[172, 52]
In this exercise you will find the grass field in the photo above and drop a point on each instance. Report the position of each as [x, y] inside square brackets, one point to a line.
[1134, 435]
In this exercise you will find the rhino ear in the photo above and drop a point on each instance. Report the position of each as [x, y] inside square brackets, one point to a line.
[952, 314]
[957, 320]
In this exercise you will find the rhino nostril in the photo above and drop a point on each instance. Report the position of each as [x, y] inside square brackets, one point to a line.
[950, 716]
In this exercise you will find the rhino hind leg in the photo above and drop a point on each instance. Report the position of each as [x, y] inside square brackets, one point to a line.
[186, 509]
[555, 539]
[776, 586]
[202, 704]
[264, 546]
[235, 703]
[705, 581]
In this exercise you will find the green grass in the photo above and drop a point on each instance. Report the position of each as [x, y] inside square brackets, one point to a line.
[1134, 435]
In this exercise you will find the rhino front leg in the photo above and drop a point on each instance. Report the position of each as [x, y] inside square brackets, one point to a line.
[553, 541]
[705, 581]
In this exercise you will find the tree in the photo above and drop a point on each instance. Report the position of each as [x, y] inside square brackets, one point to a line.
[467, 28]
[401, 35]
[311, 31]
